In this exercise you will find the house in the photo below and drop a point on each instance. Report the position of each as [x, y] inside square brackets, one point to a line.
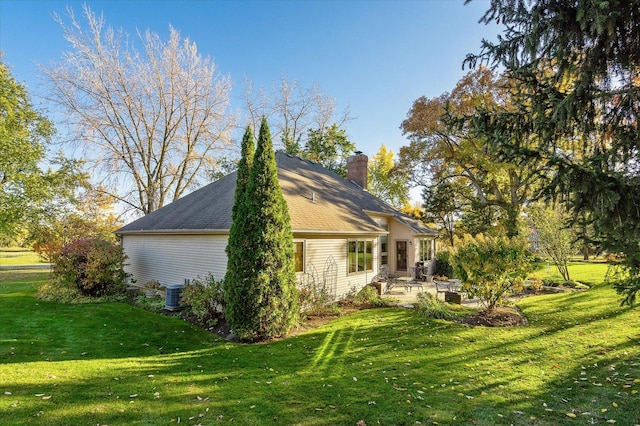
[342, 234]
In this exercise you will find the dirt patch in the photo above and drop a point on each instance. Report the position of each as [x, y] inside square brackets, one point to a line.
[502, 316]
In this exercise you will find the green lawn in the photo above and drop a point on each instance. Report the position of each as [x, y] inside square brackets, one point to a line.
[577, 362]
[585, 272]
[18, 256]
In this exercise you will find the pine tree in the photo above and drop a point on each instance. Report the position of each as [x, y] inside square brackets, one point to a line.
[266, 302]
[238, 267]
[575, 68]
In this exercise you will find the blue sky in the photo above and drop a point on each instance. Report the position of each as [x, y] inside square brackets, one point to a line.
[374, 57]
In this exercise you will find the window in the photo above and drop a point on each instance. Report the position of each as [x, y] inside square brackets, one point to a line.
[384, 245]
[425, 250]
[298, 255]
[360, 256]
[384, 250]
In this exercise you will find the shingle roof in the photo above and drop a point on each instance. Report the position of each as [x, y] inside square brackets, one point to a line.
[319, 201]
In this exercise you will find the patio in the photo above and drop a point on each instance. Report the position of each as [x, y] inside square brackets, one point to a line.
[407, 293]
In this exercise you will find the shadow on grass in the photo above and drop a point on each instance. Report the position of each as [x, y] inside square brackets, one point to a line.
[383, 365]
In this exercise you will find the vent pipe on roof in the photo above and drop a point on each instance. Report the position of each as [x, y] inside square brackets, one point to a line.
[313, 197]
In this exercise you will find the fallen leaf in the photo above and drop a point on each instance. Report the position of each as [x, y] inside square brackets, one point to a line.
[133, 395]
[46, 398]
[614, 404]
[572, 415]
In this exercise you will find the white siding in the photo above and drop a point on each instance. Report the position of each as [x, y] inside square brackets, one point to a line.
[170, 259]
[319, 250]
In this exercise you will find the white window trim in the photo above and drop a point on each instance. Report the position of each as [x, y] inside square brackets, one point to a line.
[373, 245]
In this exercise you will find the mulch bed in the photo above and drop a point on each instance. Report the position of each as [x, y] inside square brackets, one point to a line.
[501, 316]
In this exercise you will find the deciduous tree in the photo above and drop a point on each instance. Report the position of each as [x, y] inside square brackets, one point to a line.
[27, 190]
[443, 149]
[549, 224]
[153, 120]
[304, 120]
[330, 147]
[89, 214]
[441, 207]
[386, 181]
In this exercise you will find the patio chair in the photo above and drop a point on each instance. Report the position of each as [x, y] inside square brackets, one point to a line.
[441, 287]
[417, 280]
[382, 277]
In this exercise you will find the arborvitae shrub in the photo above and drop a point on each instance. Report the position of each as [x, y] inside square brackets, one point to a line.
[262, 299]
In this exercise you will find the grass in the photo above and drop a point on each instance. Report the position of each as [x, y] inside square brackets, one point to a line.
[576, 362]
[18, 256]
[589, 273]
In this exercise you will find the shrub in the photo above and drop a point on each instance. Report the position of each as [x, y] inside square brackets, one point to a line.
[93, 266]
[153, 288]
[204, 298]
[429, 306]
[315, 299]
[367, 296]
[53, 292]
[491, 267]
[154, 304]
[536, 283]
[443, 266]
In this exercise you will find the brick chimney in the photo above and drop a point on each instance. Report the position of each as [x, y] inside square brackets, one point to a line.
[357, 168]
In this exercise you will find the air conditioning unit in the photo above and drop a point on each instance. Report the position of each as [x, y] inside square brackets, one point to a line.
[173, 293]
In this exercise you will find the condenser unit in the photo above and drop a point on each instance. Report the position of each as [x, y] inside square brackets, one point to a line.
[173, 293]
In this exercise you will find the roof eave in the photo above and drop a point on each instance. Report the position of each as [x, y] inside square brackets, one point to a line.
[336, 232]
[174, 232]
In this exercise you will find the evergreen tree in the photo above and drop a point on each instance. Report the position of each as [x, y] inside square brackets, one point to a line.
[266, 302]
[575, 68]
[238, 267]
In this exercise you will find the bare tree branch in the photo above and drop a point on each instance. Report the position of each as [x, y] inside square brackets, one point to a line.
[152, 119]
